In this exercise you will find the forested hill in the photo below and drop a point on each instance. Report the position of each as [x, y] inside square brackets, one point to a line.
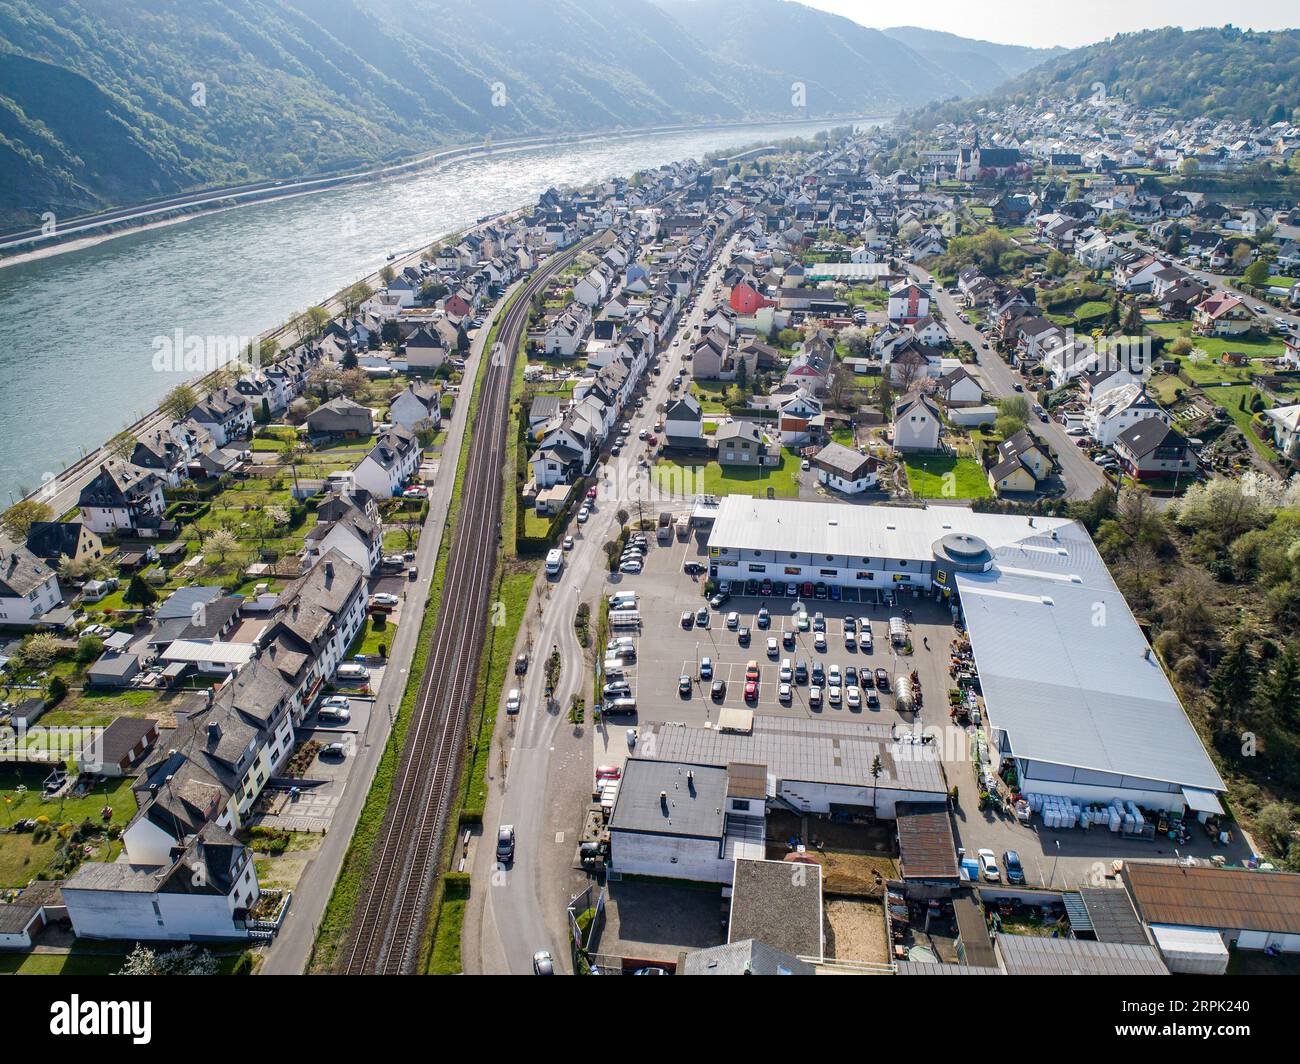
[1215, 73]
[105, 103]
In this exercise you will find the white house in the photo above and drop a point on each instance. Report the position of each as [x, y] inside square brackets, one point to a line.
[389, 464]
[917, 423]
[844, 470]
[419, 402]
[29, 588]
[1119, 409]
[684, 420]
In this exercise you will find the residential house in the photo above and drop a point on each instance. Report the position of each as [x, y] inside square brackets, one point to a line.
[389, 464]
[419, 403]
[341, 417]
[917, 423]
[684, 422]
[908, 303]
[123, 497]
[844, 470]
[52, 541]
[1223, 314]
[743, 443]
[1120, 409]
[226, 414]
[959, 388]
[1021, 466]
[29, 586]
[1153, 449]
[1285, 422]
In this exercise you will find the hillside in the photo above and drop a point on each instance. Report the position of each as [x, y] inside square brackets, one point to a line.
[104, 103]
[1215, 73]
[974, 66]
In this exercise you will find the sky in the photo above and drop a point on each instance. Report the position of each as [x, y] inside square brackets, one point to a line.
[1044, 23]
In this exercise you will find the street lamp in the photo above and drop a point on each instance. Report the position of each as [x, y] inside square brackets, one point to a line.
[1055, 860]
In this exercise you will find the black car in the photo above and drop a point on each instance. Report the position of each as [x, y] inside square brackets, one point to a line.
[818, 674]
[801, 671]
[720, 599]
[751, 587]
[693, 569]
[719, 690]
[743, 637]
[787, 639]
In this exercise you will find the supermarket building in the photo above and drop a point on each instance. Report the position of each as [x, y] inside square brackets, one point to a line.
[1074, 694]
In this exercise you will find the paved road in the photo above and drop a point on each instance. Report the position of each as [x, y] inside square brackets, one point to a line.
[521, 912]
[1082, 478]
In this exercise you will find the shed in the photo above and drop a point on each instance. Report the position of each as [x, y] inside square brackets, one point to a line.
[927, 849]
[1191, 950]
[116, 749]
[113, 669]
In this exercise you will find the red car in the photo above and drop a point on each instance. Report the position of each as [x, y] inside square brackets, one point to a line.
[591, 493]
[652, 440]
[751, 691]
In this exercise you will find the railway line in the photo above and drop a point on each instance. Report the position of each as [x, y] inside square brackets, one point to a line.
[388, 924]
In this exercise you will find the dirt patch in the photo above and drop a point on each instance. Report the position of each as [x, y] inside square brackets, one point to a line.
[855, 930]
[857, 874]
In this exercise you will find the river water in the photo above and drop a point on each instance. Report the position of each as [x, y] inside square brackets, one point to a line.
[83, 329]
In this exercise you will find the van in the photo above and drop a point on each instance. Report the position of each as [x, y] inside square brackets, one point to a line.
[350, 670]
[554, 562]
[621, 705]
[622, 600]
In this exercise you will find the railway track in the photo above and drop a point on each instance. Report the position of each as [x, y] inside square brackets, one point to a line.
[388, 925]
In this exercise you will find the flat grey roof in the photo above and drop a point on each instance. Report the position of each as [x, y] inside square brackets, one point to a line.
[1034, 955]
[813, 751]
[1066, 671]
[694, 806]
[778, 903]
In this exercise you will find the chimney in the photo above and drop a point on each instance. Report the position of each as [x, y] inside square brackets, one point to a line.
[663, 802]
[329, 573]
[214, 731]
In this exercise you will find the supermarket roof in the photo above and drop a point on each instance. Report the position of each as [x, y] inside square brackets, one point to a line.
[1067, 673]
[900, 532]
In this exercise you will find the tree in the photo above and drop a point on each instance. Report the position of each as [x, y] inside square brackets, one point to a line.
[317, 319]
[179, 402]
[1182, 347]
[1058, 265]
[1233, 682]
[222, 542]
[139, 593]
[122, 445]
[387, 274]
[1279, 689]
[89, 647]
[354, 295]
[17, 521]
[1256, 273]
[39, 650]
[1275, 824]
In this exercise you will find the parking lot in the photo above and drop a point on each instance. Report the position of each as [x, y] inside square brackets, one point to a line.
[668, 650]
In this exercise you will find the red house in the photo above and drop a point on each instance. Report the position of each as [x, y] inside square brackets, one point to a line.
[456, 306]
[746, 299]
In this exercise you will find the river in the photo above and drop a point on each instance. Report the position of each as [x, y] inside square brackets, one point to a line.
[82, 328]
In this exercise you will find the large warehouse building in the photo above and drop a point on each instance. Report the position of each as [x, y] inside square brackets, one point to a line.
[1073, 693]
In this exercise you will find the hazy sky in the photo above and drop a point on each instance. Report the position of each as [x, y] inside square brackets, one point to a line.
[1048, 22]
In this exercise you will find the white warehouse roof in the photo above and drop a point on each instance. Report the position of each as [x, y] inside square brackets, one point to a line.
[1065, 670]
[899, 532]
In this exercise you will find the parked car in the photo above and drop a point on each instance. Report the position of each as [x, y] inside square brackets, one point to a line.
[1015, 870]
[333, 714]
[733, 620]
[742, 636]
[787, 670]
[772, 649]
[506, 843]
[853, 696]
[333, 750]
[784, 693]
[336, 702]
[683, 684]
[814, 696]
[819, 640]
[764, 618]
[882, 679]
[787, 639]
[989, 866]
[688, 619]
[751, 690]
[719, 690]
[631, 568]
[383, 600]
[542, 963]
[567, 543]
[351, 672]
[702, 617]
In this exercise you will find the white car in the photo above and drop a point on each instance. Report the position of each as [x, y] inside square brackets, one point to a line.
[630, 567]
[787, 670]
[336, 702]
[383, 598]
[733, 620]
[512, 701]
[772, 649]
[568, 543]
[785, 693]
[352, 671]
[853, 696]
[583, 514]
[819, 640]
[989, 866]
[833, 692]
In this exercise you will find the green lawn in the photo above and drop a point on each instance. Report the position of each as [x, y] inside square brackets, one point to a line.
[733, 480]
[1229, 398]
[946, 477]
[372, 636]
[95, 961]
[710, 395]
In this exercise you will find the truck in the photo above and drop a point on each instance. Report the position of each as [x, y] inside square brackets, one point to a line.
[554, 562]
[624, 619]
[664, 531]
[683, 526]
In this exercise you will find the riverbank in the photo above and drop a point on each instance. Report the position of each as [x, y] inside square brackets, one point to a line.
[125, 221]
